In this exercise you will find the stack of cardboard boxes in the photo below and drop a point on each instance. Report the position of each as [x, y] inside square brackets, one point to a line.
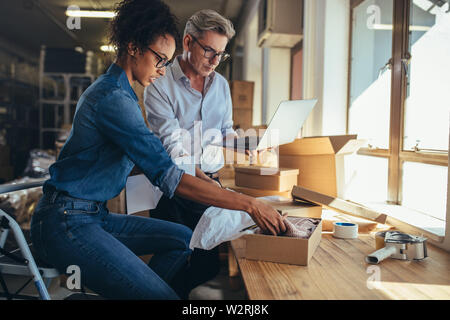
[242, 100]
[6, 170]
[259, 181]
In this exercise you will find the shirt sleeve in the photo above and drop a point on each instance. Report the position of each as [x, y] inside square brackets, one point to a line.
[119, 118]
[163, 122]
[227, 123]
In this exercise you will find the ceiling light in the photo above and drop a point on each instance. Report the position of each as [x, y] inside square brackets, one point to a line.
[107, 48]
[90, 14]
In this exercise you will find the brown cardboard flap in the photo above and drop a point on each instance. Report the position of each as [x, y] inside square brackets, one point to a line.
[351, 146]
[295, 208]
[260, 170]
[338, 204]
[316, 145]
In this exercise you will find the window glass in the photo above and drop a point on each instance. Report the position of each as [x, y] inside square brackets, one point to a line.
[427, 105]
[370, 86]
[425, 188]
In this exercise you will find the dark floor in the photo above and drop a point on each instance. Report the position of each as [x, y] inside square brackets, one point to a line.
[220, 288]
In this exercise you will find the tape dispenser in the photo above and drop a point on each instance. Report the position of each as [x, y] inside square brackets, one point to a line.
[402, 246]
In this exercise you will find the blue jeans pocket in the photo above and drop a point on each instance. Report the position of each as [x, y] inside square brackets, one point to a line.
[79, 213]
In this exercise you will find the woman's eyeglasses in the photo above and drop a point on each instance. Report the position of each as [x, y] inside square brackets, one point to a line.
[210, 53]
[162, 62]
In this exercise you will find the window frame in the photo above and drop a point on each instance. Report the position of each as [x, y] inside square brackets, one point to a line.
[395, 154]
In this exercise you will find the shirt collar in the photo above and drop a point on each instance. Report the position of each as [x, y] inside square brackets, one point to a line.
[178, 73]
[122, 78]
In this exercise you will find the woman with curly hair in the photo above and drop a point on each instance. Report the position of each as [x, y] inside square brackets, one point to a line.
[71, 224]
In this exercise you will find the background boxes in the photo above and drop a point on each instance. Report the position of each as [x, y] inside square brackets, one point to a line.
[242, 118]
[320, 161]
[242, 94]
[242, 100]
[278, 179]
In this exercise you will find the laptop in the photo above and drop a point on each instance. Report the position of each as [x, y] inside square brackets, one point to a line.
[283, 127]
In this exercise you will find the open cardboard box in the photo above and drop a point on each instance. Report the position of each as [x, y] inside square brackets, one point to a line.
[277, 248]
[320, 161]
[282, 249]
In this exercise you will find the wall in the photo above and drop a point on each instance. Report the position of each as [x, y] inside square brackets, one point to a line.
[253, 67]
[278, 79]
[325, 75]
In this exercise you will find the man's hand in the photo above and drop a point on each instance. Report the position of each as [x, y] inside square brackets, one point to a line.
[267, 218]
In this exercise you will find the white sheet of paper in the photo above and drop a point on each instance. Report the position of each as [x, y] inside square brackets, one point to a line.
[142, 195]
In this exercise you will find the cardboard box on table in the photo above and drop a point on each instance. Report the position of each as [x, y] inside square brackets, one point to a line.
[280, 249]
[266, 178]
[320, 161]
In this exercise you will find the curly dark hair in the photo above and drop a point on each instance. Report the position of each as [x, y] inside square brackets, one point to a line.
[141, 22]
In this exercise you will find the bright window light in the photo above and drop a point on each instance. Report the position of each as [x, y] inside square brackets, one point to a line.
[389, 27]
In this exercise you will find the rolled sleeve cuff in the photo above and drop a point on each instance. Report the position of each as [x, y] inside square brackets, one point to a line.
[171, 180]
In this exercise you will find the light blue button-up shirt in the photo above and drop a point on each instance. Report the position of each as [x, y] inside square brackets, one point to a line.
[182, 117]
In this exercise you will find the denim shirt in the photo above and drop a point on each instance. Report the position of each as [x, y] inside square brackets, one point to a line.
[108, 137]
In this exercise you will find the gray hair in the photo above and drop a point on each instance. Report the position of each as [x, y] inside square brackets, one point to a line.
[209, 20]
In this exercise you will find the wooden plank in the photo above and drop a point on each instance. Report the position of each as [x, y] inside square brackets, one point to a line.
[338, 204]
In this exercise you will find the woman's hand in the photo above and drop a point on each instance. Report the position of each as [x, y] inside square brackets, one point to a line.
[267, 218]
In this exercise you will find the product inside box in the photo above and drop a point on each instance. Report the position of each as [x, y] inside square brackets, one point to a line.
[279, 249]
[266, 178]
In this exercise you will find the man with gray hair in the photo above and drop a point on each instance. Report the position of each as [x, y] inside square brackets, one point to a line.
[183, 108]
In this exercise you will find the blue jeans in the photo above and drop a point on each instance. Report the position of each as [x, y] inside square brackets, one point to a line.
[105, 246]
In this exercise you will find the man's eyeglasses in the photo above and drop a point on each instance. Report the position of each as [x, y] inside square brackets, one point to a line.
[211, 53]
[162, 62]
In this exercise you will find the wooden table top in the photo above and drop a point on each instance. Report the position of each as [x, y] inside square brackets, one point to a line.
[338, 270]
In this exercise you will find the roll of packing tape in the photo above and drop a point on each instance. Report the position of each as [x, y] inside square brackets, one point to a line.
[345, 230]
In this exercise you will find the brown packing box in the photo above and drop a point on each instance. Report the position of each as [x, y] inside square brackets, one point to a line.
[278, 249]
[243, 118]
[4, 155]
[242, 94]
[266, 178]
[320, 161]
